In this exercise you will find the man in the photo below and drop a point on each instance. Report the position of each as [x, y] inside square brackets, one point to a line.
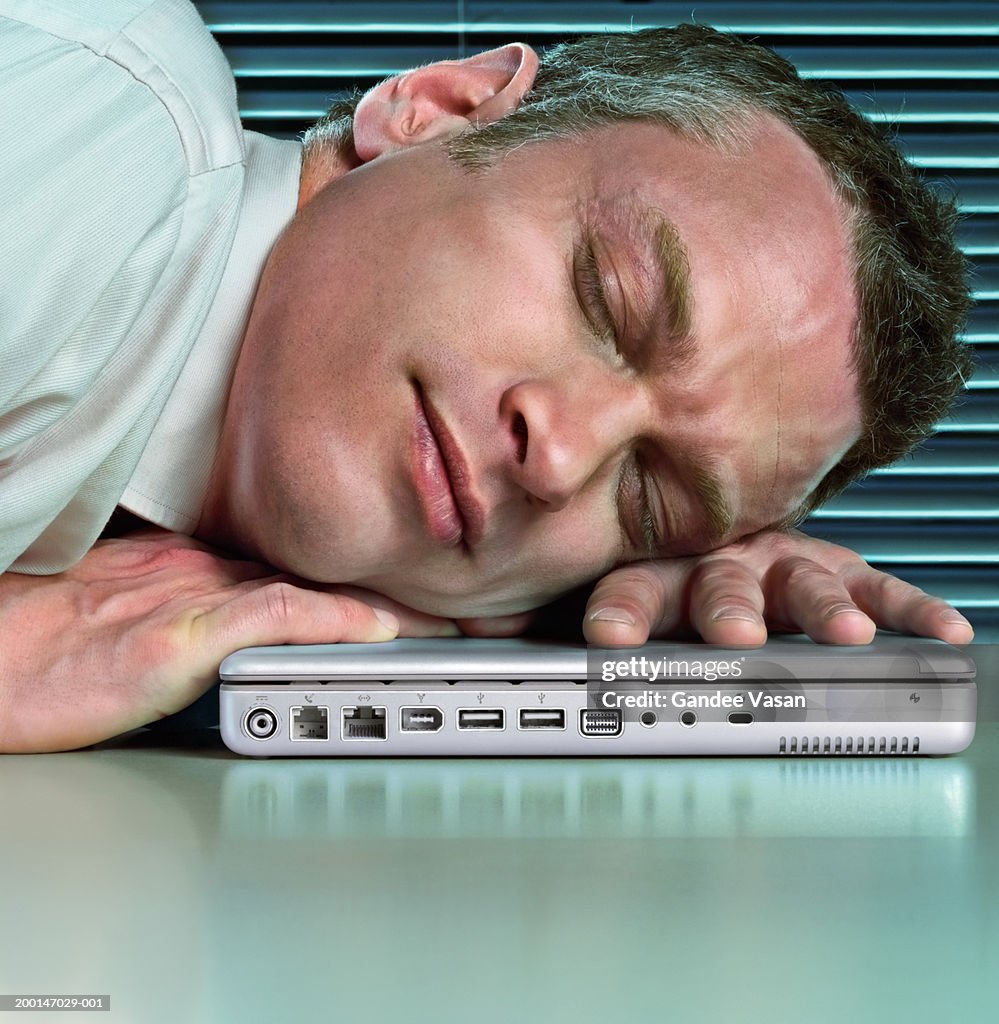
[501, 344]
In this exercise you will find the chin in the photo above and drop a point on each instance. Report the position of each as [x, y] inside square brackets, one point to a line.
[464, 605]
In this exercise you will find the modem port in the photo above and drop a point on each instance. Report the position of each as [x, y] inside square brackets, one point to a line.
[310, 723]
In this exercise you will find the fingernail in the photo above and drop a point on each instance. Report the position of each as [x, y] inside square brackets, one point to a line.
[387, 619]
[956, 619]
[613, 615]
[723, 614]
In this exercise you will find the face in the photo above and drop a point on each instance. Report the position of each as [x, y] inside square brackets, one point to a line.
[474, 392]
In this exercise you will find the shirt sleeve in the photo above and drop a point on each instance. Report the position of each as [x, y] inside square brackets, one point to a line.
[106, 196]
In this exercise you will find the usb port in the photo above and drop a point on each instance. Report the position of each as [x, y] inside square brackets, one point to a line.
[542, 718]
[600, 722]
[421, 719]
[741, 718]
[480, 718]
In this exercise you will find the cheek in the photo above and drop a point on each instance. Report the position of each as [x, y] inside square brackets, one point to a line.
[540, 566]
[286, 490]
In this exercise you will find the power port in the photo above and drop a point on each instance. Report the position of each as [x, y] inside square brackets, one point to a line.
[364, 724]
[260, 723]
[310, 723]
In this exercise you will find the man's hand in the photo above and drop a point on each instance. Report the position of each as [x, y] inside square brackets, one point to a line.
[770, 581]
[137, 629]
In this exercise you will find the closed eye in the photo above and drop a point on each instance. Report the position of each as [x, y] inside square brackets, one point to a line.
[595, 306]
[637, 503]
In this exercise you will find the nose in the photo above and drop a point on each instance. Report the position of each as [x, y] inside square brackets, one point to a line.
[564, 431]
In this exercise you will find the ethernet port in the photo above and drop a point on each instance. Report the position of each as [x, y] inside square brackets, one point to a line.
[310, 723]
[364, 723]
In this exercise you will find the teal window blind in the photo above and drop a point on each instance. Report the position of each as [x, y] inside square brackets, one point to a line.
[932, 69]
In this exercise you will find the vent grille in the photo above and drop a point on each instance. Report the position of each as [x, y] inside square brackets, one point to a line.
[848, 746]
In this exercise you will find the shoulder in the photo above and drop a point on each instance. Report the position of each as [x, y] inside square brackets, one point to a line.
[128, 140]
[122, 54]
[121, 195]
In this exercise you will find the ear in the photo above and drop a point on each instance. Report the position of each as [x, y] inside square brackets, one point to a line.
[442, 99]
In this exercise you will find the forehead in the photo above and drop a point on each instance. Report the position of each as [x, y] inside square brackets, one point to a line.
[768, 195]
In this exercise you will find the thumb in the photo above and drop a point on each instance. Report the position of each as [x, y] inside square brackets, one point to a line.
[281, 613]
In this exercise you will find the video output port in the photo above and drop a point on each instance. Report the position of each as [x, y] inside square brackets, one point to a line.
[600, 722]
[260, 723]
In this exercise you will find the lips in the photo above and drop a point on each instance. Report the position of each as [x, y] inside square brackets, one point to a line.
[442, 480]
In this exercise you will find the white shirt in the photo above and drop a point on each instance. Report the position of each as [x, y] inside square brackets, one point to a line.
[135, 219]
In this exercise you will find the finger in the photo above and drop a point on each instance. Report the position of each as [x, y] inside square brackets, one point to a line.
[414, 623]
[810, 598]
[496, 625]
[637, 601]
[411, 621]
[900, 606]
[282, 613]
[726, 604]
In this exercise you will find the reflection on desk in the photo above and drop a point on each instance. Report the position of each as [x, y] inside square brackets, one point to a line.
[282, 800]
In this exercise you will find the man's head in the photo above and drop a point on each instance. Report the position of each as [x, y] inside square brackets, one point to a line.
[452, 286]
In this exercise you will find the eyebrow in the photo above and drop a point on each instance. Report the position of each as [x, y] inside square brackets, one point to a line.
[708, 490]
[672, 267]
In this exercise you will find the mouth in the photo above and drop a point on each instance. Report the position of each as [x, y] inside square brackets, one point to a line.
[443, 483]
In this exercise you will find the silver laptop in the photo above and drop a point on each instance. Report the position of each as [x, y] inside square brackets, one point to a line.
[510, 698]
